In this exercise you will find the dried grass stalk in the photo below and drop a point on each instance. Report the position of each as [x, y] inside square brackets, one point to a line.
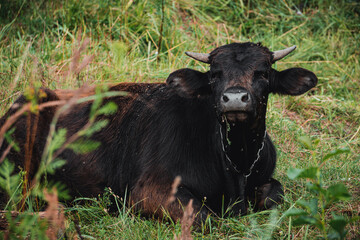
[186, 222]
[54, 215]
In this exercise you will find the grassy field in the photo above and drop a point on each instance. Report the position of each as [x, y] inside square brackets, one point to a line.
[144, 41]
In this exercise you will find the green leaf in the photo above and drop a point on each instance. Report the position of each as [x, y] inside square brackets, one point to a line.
[338, 223]
[10, 182]
[311, 205]
[58, 139]
[26, 222]
[314, 187]
[97, 126]
[82, 146]
[311, 172]
[335, 152]
[295, 173]
[97, 101]
[338, 192]
[6, 169]
[306, 142]
[108, 109]
[333, 235]
[62, 190]
[55, 164]
[295, 212]
[302, 220]
[10, 140]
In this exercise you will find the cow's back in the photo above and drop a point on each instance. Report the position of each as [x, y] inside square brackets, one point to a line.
[31, 133]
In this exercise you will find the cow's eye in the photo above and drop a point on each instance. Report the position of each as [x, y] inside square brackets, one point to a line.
[265, 74]
[216, 74]
[261, 74]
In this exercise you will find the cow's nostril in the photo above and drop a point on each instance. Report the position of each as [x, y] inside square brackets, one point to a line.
[225, 98]
[245, 98]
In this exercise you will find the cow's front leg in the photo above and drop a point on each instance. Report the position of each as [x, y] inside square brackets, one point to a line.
[156, 196]
[267, 196]
[183, 197]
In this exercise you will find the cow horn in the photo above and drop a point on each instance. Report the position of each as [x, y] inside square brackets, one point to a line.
[202, 57]
[277, 55]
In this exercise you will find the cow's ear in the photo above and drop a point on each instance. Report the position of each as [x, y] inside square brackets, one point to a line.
[189, 83]
[293, 81]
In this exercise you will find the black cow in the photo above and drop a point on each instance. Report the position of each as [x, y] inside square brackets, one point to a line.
[208, 128]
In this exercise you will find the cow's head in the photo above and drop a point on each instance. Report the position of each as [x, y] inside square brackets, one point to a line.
[240, 80]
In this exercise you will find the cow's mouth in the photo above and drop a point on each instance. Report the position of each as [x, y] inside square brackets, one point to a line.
[236, 116]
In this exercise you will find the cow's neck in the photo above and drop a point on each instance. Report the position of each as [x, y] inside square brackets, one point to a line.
[242, 145]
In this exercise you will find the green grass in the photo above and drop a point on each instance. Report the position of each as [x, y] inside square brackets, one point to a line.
[39, 38]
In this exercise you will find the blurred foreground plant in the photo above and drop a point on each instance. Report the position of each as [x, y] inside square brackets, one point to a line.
[21, 217]
[313, 211]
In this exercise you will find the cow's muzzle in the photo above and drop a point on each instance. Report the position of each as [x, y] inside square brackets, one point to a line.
[236, 104]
